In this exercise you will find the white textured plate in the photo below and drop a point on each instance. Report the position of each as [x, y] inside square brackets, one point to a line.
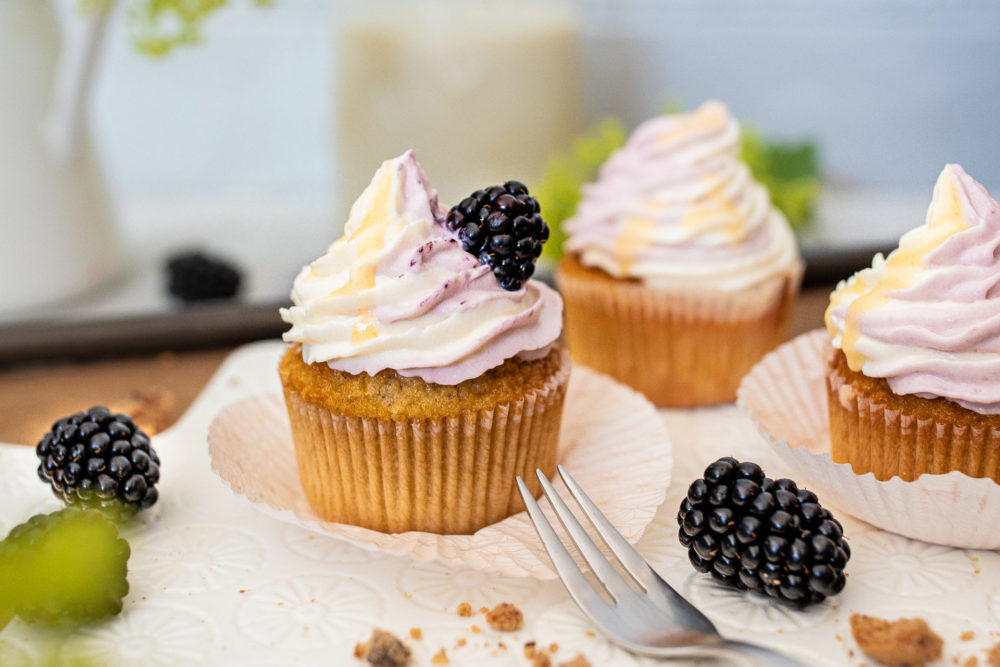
[786, 396]
[215, 581]
[612, 442]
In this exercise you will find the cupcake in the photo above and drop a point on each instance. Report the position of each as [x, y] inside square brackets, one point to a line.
[421, 378]
[680, 273]
[914, 376]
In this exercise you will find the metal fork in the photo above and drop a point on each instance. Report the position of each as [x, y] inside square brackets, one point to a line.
[657, 621]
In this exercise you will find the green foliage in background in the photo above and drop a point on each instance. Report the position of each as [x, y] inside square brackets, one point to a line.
[558, 191]
[790, 170]
[159, 26]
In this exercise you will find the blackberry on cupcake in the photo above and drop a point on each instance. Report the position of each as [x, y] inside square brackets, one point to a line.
[501, 225]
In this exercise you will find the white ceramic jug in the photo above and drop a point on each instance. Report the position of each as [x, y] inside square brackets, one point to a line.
[57, 236]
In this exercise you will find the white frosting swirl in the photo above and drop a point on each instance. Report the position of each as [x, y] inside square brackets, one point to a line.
[398, 291]
[927, 317]
[677, 207]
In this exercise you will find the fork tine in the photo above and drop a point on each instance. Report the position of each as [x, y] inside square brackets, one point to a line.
[597, 561]
[630, 559]
[577, 585]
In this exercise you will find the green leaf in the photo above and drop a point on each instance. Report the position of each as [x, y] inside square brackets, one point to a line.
[558, 191]
[789, 170]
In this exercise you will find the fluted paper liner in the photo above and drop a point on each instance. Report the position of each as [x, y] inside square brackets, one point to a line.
[611, 440]
[447, 475]
[678, 347]
[785, 394]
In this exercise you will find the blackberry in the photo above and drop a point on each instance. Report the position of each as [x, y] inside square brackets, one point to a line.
[65, 568]
[100, 460]
[194, 276]
[501, 225]
[767, 536]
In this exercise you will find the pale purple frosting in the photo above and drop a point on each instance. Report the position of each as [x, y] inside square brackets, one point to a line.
[398, 291]
[927, 318]
[676, 206]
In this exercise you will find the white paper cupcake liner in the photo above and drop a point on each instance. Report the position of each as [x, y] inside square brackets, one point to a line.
[611, 441]
[785, 396]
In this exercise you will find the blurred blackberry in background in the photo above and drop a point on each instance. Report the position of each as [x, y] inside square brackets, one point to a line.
[501, 226]
[194, 276]
[101, 460]
[763, 535]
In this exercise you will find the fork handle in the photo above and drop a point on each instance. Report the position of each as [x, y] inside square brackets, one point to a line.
[764, 655]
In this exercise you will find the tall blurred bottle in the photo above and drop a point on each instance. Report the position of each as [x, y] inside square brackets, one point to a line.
[56, 229]
[482, 91]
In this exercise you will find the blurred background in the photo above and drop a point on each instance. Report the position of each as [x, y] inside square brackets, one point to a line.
[251, 141]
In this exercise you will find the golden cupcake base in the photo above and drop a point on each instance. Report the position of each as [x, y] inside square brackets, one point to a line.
[889, 435]
[449, 468]
[678, 347]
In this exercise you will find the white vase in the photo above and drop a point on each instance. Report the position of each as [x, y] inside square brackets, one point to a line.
[57, 236]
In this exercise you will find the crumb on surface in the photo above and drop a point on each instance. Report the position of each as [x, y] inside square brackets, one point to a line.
[993, 656]
[553, 647]
[971, 661]
[461, 641]
[590, 633]
[541, 659]
[464, 609]
[440, 658]
[577, 661]
[968, 635]
[383, 649]
[906, 641]
[505, 617]
[152, 410]
[416, 633]
[483, 610]
[529, 650]
[475, 629]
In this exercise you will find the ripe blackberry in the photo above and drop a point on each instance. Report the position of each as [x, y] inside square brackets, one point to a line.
[502, 227]
[763, 535]
[194, 276]
[65, 568]
[99, 459]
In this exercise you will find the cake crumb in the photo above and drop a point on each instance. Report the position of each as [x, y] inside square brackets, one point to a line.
[541, 659]
[906, 641]
[971, 661]
[993, 656]
[416, 633]
[967, 636]
[475, 629]
[553, 648]
[505, 617]
[529, 649]
[461, 641]
[153, 410]
[383, 649]
[590, 633]
[464, 609]
[440, 658]
[578, 661]
[483, 610]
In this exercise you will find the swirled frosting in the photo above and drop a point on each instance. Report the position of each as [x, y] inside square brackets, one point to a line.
[398, 291]
[927, 317]
[676, 206]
